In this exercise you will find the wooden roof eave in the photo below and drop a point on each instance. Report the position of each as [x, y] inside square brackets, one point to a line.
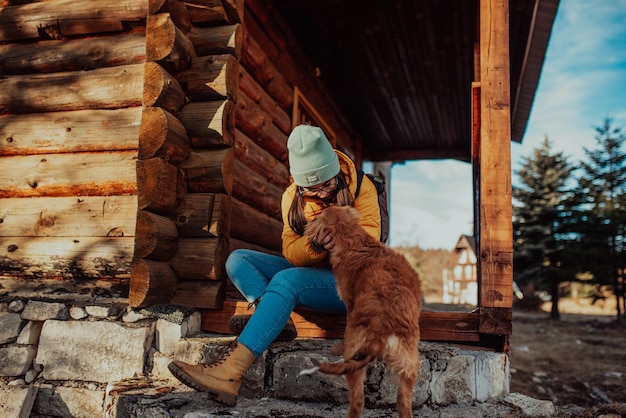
[539, 36]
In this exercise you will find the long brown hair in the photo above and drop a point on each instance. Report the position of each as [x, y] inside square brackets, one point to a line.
[295, 216]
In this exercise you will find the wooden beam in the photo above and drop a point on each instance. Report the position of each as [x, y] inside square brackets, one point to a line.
[67, 258]
[68, 17]
[434, 326]
[78, 174]
[70, 132]
[82, 54]
[71, 216]
[419, 154]
[495, 234]
[102, 88]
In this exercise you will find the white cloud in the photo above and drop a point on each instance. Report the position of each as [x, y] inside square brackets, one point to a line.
[431, 203]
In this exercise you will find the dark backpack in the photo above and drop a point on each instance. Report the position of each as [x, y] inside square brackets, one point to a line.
[379, 183]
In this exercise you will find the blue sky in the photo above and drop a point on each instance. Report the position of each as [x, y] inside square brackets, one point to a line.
[583, 81]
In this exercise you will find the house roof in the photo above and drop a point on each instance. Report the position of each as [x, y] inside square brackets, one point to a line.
[400, 71]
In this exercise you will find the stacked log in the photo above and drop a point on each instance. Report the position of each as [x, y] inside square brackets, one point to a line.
[141, 143]
[176, 254]
[70, 110]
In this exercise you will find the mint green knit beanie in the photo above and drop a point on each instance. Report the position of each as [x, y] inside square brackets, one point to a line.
[312, 160]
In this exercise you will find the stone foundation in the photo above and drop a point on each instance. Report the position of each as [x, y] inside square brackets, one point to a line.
[64, 360]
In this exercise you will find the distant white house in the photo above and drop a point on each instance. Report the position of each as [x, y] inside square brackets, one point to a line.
[460, 284]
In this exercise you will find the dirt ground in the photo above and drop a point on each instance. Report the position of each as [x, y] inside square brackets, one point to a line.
[579, 360]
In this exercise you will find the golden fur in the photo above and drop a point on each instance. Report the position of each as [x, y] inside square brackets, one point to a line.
[383, 299]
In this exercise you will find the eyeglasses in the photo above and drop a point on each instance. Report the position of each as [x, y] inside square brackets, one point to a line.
[327, 187]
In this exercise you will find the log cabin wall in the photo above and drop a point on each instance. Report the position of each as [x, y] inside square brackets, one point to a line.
[143, 141]
[155, 145]
[274, 72]
[70, 114]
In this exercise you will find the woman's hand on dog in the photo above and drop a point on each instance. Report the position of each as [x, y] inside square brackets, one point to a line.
[326, 241]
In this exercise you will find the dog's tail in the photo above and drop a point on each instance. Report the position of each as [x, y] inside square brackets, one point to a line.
[358, 361]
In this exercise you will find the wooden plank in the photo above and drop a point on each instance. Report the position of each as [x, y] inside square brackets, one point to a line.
[256, 191]
[68, 17]
[434, 326]
[103, 88]
[260, 161]
[161, 89]
[156, 237]
[495, 234]
[75, 216]
[66, 257]
[253, 121]
[268, 105]
[73, 54]
[80, 174]
[200, 259]
[209, 124]
[200, 294]
[212, 77]
[70, 132]
[166, 44]
[207, 12]
[176, 9]
[200, 215]
[157, 182]
[234, 10]
[162, 135]
[152, 282]
[217, 40]
[276, 39]
[109, 291]
[252, 226]
[256, 61]
[237, 244]
[209, 171]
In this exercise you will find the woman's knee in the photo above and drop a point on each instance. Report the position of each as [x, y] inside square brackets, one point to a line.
[236, 259]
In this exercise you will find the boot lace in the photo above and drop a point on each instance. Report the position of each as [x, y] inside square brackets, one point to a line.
[222, 352]
[254, 303]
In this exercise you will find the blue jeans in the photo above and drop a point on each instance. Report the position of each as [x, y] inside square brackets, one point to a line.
[281, 287]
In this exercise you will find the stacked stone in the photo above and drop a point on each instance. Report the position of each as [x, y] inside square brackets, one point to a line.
[61, 357]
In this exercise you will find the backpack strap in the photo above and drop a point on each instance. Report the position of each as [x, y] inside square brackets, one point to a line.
[359, 180]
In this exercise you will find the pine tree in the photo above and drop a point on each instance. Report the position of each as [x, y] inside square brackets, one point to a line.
[602, 211]
[538, 210]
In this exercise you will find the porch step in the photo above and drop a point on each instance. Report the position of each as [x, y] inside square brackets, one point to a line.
[453, 382]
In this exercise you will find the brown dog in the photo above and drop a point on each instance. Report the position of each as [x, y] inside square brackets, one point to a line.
[383, 300]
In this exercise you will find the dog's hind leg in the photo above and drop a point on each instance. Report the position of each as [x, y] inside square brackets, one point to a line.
[356, 380]
[405, 395]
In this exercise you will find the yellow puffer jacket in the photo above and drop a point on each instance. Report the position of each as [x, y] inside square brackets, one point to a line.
[296, 248]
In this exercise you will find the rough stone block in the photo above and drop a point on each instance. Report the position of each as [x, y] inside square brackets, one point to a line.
[192, 324]
[10, 326]
[98, 311]
[167, 335]
[16, 401]
[41, 311]
[92, 351]
[492, 375]
[454, 383]
[63, 401]
[30, 333]
[16, 360]
[318, 387]
[531, 407]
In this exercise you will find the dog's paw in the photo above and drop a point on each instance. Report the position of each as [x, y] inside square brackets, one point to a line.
[308, 371]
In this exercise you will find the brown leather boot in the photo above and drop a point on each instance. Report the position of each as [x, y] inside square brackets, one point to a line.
[237, 323]
[220, 379]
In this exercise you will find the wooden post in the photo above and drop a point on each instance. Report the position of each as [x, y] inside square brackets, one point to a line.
[495, 234]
